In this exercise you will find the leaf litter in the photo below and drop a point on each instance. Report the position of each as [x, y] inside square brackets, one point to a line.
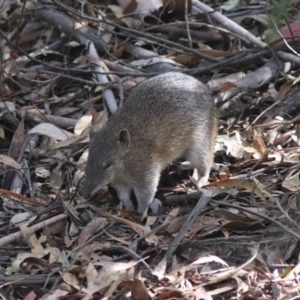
[65, 68]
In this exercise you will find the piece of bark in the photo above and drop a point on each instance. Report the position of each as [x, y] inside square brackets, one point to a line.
[181, 32]
[68, 26]
[64, 123]
[109, 97]
[287, 107]
[252, 81]
[29, 280]
[138, 52]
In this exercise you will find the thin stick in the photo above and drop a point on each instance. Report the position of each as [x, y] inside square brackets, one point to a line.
[14, 236]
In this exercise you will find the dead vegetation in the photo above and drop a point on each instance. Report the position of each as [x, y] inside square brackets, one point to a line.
[65, 67]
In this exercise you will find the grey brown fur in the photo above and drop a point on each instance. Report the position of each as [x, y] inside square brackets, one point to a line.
[166, 117]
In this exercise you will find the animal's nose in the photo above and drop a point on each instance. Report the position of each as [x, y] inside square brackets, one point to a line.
[87, 194]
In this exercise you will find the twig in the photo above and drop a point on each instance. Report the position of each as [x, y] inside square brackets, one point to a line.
[14, 236]
[132, 254]
[187, 23]
[107, 93]
[286, 214]
[190, 220]
[294, 234]
[227, 23]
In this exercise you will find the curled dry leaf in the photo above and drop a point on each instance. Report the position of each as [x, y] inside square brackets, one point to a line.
[247, 146]
[29, 235]
[51, 130]
[42, 172]
[208, 259]
[30, 263]
[83, 123]
[234, 147]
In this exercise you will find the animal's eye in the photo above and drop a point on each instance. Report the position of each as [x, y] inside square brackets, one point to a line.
[107, 165]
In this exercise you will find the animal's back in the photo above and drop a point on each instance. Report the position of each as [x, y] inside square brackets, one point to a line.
[163, 113]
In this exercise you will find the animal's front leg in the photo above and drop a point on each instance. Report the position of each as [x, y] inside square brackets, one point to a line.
[145, 190]
[124, 192]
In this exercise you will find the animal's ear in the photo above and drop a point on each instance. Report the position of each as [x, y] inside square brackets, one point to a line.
[124, 138]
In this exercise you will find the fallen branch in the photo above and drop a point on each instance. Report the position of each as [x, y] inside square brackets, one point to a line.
[17, 235]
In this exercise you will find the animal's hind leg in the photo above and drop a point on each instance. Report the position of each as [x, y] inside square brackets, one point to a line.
[202, 159]
[202, 176]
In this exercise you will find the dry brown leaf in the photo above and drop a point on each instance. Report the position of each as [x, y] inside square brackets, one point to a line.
[185, 59]
[284, 89]
[30, 296]
[216, 84]
[71, 279]
[140, 229]
[247, 147]
[110, 272]
[259, 144]
[82, 138]
[292, 182]
[10, 162]
[18, 197]
[91, 273]
[241, 183]
[138, 290]
[170, 295]
[217, 53]
[91, 252]
[91, 228]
